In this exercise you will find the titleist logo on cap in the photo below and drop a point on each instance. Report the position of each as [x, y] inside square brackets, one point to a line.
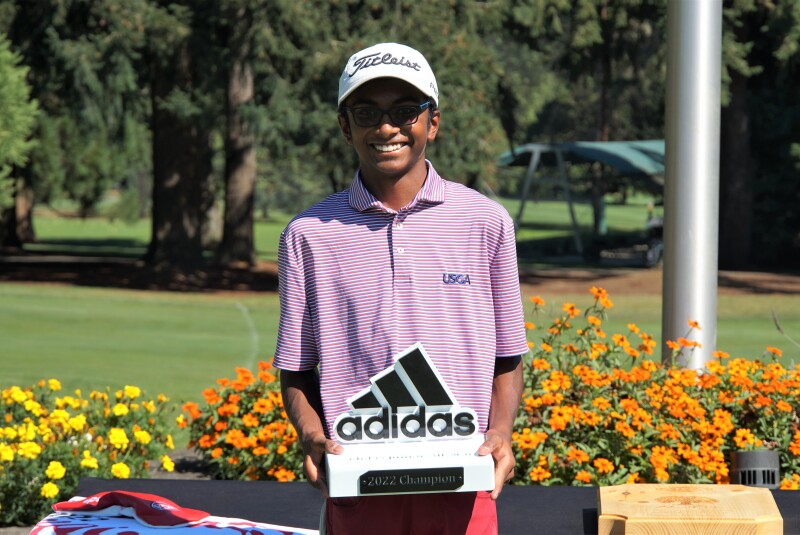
[371, 60]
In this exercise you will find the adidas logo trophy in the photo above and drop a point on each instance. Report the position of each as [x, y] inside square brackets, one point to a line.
[406, 433]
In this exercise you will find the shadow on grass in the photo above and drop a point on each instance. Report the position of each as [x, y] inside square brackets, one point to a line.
[85, 264]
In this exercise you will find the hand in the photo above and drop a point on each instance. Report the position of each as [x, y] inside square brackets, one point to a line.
[314, 449]
[500, 448]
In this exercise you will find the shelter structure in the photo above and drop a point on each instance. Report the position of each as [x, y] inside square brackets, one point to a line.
[640, 160]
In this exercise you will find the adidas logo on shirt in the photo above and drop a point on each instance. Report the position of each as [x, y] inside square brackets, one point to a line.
[407, 401]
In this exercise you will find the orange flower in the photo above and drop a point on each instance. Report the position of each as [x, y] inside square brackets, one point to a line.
[583, 476]
[530, 325]
[211, 396]
[547, 348]
[633, 328]
[720, 355]
[694, 325]
[263, 406]
[672, 345]
[540, 474]
[250, 420]
[604, 466]
[216, 453]
[593, 320]
[192, 409]
[598, 293]
[537, 300]
[571, 310]
[774, 351]
[577, 455]
[540, 364]
[743, 438]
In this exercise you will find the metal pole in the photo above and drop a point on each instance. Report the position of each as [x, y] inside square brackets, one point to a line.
[691, 193]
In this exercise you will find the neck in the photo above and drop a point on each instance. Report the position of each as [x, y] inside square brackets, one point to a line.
[396, 192]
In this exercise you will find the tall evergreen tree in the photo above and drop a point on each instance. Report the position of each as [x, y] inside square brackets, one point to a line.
[17, 118]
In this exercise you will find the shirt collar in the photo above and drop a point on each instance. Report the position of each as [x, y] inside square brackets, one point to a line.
[432, 192]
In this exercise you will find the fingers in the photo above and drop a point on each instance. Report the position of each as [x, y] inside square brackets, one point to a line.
[504, 461]
[314, 462]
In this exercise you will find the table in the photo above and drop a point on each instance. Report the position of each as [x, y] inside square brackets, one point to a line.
[552, 510]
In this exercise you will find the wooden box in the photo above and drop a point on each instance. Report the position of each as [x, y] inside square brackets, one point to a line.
[688, 509]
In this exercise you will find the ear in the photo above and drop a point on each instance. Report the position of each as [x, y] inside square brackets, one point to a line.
[344, 126]
[433, 125]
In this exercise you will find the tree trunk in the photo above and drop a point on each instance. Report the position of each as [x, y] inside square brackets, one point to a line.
[181, 165]
[24, 207]
[240, 168]
[9, 239]
[736, 172]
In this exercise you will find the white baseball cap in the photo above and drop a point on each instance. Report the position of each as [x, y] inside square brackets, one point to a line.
[388, 60]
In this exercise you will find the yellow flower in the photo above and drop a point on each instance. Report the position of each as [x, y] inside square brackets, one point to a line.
[88, 461]
[54, 384]
[29, 450]
[120, 471]
[167, 463]
[142, 437]
[170, 444]
[33, 407]
[55, 470]
[78, 423]
[132, 392]
[118, 438]
[120, 409]
[49, 490]
[17, 395]
[6, 453]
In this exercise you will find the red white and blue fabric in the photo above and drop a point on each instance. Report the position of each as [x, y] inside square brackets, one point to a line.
[134, 513]
[360, 282]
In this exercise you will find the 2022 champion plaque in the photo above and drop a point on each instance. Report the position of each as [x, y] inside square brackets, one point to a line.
[406, 433]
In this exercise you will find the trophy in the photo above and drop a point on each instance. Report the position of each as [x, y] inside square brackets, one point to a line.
[406, 433]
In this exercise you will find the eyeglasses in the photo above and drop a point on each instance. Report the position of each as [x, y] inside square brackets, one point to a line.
[366, 116]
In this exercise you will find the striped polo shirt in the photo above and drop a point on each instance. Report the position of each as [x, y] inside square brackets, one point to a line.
[360, 282]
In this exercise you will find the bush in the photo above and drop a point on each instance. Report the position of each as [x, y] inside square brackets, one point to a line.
[595, 412]
[242, 431]
[49, 442]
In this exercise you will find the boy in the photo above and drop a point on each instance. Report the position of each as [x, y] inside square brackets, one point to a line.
[402, 256]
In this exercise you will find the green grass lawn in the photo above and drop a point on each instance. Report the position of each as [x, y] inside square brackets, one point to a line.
[744, 323]
[176, 344]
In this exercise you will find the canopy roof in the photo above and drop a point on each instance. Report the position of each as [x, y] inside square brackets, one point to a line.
[640, 160]
[628, 157]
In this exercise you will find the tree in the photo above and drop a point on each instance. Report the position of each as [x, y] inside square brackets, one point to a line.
[608, 58]
[181, 138]
[758, 179]
[17, 118]
[82, 59]
[237, 21]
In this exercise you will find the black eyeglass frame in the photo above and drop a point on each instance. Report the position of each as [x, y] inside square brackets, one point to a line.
[419, 109]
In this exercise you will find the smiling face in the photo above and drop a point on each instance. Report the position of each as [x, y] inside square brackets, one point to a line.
[389, 153]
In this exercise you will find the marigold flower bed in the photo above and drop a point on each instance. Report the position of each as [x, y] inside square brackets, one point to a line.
[48, 442]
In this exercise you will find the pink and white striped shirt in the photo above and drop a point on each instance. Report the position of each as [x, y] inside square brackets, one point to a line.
[360, 282]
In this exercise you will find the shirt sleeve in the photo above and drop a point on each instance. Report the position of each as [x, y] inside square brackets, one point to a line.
[296, 348]
[508, 313]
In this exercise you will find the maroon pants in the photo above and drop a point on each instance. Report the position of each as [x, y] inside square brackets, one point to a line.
[458, 513]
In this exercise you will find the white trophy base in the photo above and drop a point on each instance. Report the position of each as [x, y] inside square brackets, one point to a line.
[410, 468]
